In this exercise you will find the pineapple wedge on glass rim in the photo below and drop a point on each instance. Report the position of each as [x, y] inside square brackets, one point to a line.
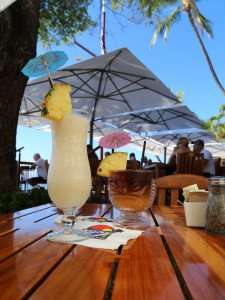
[57, 102]
[117, 161]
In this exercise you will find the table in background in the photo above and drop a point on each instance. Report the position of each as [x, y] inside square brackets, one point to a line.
[169, 261]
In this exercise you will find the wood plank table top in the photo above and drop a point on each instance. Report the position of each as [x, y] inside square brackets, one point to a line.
[168, 261]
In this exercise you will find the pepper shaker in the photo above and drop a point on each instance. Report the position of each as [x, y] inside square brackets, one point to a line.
[215, 222]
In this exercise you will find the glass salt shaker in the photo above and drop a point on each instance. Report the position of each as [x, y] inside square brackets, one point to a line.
[215, 222]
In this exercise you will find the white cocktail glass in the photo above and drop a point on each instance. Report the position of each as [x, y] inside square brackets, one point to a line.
[69, 176]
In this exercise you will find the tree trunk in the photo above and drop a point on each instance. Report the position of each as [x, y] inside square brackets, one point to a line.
[209, 62]
[18, 30]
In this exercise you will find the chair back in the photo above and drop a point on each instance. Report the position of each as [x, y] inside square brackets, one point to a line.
[133, 164]
[218, 170]
[176, 182]
[190, 163]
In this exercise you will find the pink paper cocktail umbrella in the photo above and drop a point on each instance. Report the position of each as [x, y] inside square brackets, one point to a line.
[115, 140]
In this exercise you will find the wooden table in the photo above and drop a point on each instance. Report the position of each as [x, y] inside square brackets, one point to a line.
[169, 261]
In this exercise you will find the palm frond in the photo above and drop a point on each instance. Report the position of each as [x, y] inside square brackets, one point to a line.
[180, 96]
[152, 6]
[216, 124]
[163, 26]
[220, 134]
[207, 125]
[160, 28]
[222, 110]
[215, 118]
[203, 23]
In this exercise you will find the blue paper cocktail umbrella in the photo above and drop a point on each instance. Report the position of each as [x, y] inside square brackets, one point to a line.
[45, 64]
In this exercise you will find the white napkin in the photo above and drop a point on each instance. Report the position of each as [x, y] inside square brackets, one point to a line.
[97, 233]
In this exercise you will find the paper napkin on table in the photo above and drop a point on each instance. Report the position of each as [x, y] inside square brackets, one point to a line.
[188, 189]
[193, 194]
[98, 232]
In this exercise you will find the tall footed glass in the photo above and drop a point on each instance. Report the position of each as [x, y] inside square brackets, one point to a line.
[130, 193]
[69, 176]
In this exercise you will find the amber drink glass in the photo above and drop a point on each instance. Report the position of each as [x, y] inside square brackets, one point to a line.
[130, 193]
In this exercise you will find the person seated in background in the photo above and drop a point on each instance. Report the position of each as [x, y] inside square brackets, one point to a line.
[133, 163]
[132, 156]
[42, 172]
[107, 153]
[181, 148]
[209, 165]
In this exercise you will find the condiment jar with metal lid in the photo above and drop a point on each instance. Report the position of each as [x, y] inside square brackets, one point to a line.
[215, 221]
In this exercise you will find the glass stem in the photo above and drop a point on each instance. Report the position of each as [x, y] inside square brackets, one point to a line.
[69, 220]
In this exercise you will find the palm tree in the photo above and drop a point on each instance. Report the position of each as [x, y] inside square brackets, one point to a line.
[57, 21]
[154, 9]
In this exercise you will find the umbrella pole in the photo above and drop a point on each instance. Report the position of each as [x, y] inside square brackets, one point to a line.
[50, 82]
[164, 154]
[94, 109]
[103, 17]
[19, 161]
[101, 153]
[143, 153]
[91, 133]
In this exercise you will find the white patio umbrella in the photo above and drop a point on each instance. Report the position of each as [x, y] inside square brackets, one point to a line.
[108, 84]
[5, 4]
[152, 146]
[165, 125]
[156, 119]
[169, 139]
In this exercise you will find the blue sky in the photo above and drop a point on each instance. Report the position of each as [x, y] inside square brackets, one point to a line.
[179, 63]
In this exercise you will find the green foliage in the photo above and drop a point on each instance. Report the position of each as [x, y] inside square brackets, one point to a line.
[61, 20]
[180, 96]
[120, 4]
[14, 201]
[164, 13]
[216, 124]
[162, 27]
[202, 22]
[155, 6]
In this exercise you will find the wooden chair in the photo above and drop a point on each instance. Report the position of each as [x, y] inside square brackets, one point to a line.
[190, 163]
[218, 168]
[175, 183]
[99, 192]
[133, 164]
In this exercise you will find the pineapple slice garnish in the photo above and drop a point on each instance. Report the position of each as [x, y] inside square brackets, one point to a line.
[57, 102]
[114, 162]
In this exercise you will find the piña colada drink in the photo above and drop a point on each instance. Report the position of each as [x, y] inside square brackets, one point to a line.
[69, 177]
